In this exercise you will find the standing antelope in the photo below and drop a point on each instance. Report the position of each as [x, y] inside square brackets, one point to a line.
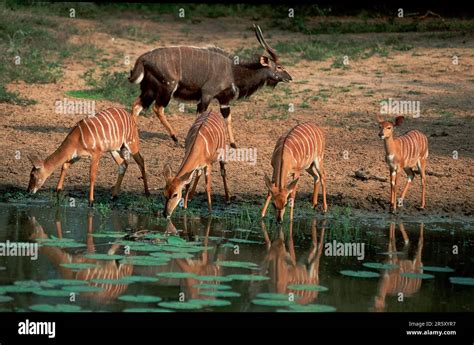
[302, 148]
[112, 130]
[202, 74]
[204, 140]
[405, 152]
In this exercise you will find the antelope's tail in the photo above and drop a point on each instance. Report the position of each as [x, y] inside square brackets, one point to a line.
[138, 72]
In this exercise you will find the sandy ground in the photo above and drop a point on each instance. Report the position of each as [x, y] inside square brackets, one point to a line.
[424, 73]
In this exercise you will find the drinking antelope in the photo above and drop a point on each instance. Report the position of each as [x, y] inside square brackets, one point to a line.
[405, 152]
[204, 140]
[202, 74]
[112, 130]
[302, 148]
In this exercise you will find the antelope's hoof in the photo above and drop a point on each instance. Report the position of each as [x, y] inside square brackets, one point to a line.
[91, 203]
[147, 194]
[174, 138]
[114, 197]
[233, 145]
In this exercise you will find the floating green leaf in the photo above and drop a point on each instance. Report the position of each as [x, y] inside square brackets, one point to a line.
[144, 261]
[54, 308]
[154, 236]
[139, 279]
[82, 288]
[312, 308]
[307, 287]
[243, 241]
[238, 264]
[247, 277]
[211, 302]
[103, 257]
[272, 302]
[78, 266]
[417, 275]
[213, 278]
[219, 293]
[110, 281]
[4, 299]
[52, 293]
[462, 280]
[380, 266]
[274, 296]
[437, 269]
[176, 275]
[61, 282]
[360, 274]
[110, 234]
[181, 305]
[140, 298]
[147, 310]
[212, 286]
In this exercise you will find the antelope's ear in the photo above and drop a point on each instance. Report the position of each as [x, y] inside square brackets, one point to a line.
[186, 178]
[167, 172]
[36, 161]
[292, 185]
[268, 182]
[264, 60]
[399, 120]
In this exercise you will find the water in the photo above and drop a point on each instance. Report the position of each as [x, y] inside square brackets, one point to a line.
[221, 265]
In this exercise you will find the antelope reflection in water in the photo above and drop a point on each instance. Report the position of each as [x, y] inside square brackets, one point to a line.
[203, 265]
[391, 282]
[283, 268]
[104, 269]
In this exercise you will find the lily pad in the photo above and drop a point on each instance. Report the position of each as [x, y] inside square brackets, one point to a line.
[417, 275]
[248, 277]
[380, 266]
[18, 289]
[219, 293]
[272, 302]
[312, 308]
[360, 274]
[274, 296]
[154, 236]
[143, 261]
[462, 280]
[211, 302]
[212, 286]
[147, 310]
[176, 275]
[110, 281]
[176, 240]
[82, 288]
[139, 279]
[103, 257]
[60, 243]
[140, 298]
[109, 234]
[64, 282]
[4, 299]
[78, 265]
[54, 308]
[307, 287]
[213, 278]
[243, 241]
[181, 305]
[438, 269]
[52, 293]
[238, 264]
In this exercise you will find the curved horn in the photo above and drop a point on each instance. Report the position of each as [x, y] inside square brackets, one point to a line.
[263, 43]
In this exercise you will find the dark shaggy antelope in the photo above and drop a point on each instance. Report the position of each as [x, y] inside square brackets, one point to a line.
[202, 74]
[405, 152]
[302, 148]
[204, 140]
[112, 130]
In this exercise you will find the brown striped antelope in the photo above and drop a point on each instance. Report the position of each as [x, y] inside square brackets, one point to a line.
[112, 130]
[405, 152]
[302, 148]
[204, 140]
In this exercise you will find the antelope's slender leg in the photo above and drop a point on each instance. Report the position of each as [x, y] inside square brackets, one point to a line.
[138, 158]
[137, 107]
[322, 174]
[423, 182]
[317, 181]
[267, 202]
[122, 168]
[207, 172]
[395, 189]
[92, 174]
[224, 179]
[90, 230]
[225, 111]
[196, 180]
[410, 175]
[392, 188]
[160, 112]
[64, 170]
[293, 196]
